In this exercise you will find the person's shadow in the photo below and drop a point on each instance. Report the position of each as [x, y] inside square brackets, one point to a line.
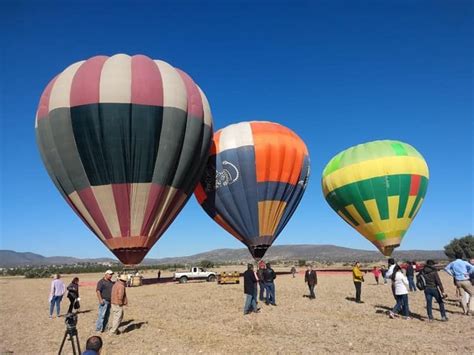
[130, 326]
[352, 299]
[385, 310]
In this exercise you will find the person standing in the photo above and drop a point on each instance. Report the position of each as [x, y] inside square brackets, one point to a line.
[376, 273]
[56, 295]
[293, 271]
[268, 277]
[383, 271]
[250, 290]
[388, 274]
[118, 300]
[411, 276]
[104, 293]
[358, 278]
[462, 270]
[400, 286]
[434, 289]
[311, 278]
[261, 282]
[73, 294]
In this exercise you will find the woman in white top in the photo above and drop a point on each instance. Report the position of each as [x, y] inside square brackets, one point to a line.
[400, 287]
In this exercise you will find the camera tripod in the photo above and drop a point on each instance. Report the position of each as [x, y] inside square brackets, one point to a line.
[71, 331]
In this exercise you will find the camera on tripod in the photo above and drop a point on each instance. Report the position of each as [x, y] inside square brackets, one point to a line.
[71, 332]
[71, 320]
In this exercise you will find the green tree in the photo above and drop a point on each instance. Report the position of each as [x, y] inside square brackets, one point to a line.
[206, 264]
[301, 262]
[464, 245]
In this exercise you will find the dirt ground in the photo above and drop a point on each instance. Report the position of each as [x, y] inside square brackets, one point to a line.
[202, 317]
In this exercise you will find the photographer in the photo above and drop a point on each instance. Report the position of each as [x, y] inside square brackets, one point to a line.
[73, 294]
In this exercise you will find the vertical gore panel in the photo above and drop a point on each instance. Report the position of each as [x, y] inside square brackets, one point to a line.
[51, 155]
[60, 120]
[88, 132]
[86, 83]
[147, 84]
[146, 123]
[171, 143]
[380, 190]
[404, 192]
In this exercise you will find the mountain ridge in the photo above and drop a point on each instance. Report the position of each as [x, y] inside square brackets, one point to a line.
[310, 252]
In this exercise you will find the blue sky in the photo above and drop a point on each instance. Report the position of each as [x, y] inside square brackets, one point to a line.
[337, 73]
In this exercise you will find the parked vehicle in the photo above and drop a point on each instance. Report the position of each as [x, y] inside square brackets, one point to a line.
[226, 277]
[195, 273]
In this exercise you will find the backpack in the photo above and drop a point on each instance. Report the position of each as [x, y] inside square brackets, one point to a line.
[420, 281]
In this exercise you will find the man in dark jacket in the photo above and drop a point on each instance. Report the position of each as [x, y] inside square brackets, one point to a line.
[411, 276]
[268, 277]
[250, 290]
[434, 289]
[311, 278]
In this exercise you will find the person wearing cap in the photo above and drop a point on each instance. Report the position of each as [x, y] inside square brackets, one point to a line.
[434, 289]
[119, 299]
[104, 291]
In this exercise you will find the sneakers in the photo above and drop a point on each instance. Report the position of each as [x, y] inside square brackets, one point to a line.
[444, 319]
[391, 315]
[407, 318]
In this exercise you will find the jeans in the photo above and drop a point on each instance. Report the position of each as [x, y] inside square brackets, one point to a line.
[270, 290]
[402, 304]
[411, 283]
[429, 294]
[56, 300]
[262, 291]
[250, 303]
[311, 291]
[358, 286]
[103, 318]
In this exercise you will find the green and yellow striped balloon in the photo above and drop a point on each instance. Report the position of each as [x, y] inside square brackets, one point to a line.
[378, 188]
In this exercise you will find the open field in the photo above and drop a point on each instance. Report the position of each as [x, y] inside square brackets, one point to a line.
[201, 317]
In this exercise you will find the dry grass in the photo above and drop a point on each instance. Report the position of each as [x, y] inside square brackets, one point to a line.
[205, 317]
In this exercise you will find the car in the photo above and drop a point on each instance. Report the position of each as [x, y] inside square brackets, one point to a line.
[195, 273]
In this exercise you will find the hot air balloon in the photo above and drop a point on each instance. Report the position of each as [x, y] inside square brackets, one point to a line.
[378, 188]
[254, 180]
[125, 140]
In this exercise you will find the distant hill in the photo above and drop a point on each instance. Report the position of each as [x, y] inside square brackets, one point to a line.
[330, 253]
[10, 258]
[311, 252]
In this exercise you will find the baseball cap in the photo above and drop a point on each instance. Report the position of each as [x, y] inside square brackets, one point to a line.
[110, 272]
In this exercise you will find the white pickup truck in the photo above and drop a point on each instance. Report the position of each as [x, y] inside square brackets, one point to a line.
[195, 273]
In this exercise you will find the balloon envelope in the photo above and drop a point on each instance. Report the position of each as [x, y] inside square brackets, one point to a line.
[254, 180]
[124, 140]
[378, 188]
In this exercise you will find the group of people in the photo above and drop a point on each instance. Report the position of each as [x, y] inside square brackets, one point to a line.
[402, 283]
[428, 280]
[58, 289]
[264, 278]
[111, 295]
